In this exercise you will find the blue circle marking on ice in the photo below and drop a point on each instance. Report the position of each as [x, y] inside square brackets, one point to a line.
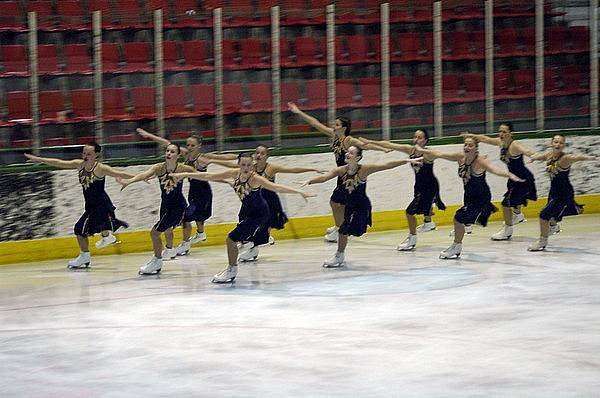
[376, 283]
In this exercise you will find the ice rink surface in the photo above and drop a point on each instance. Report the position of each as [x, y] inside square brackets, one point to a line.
[498, 322]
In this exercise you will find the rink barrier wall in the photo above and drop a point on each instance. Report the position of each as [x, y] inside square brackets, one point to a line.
[27, 251]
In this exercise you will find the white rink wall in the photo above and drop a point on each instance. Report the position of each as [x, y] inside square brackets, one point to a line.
[393, 189]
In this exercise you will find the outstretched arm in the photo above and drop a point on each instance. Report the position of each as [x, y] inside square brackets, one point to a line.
[374, 168]
[338, 171]
[498, 171]
[277, 168]
[216, 177]
[387, 145]
[109, 171]
[453, 156]
[578, 157]
[483, 138]
[221, 162]
[376, 147]
[220, 156]
[140, 177]
[160, 140]
[538, 156]
[521, 149]
[61, 164]
[271, 186]
[328, 131]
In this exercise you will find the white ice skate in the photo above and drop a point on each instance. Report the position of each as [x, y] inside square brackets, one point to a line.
[408, 244]
[504, 234]
[468, 230]
[169, 253]
[271, 240]
[555, 229]
[184, 248]
[249, 255]
[152, 267]
[199, 237]
[333, 236]
[244, 247]
[452, 252]
[82, 261]
[518, 218]
[331, 229]
[106, 241]
[335, 262]
[426, 227]
[226, 276]
[538, 245]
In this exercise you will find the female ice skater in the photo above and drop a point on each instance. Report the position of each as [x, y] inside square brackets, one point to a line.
[426, 188]
[269, 170]
[561, 198]
[200, 194]
[172, 206]
[357, 212]
[99, 214]
[477, 206]
[254, 217]
[517, 193]
[341, 140]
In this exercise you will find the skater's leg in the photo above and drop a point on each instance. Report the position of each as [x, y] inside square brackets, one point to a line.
[157, 244]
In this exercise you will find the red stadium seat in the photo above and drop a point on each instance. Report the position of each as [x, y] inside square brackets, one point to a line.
[358, 49]
[506, 41]
[11, 18]
[241, 132]
[114, 102]
[233, 98]
[398, 90]
[144, 102]
[84, 140]
[51, 102]
[58, 141]
[253, 53]
[21, 143]
[290, 92]
[110, 57]
[422, 88]
[527, 42]
[503, 88]
[19, 107]
[77, 58]
[120, 138]
[230, 58]
[196, 54]
[344, 93]
[370, 89]
[474, 86]
[555, 39]
[176, 103]
[309, 51]
[170, 56]
[138, 57]
[72, 14]
[130, 13]
[204, 99]
[45, 15]
[298, 128]
[179, 135]
[579, 38]
[405, 47]
[524, 83]
[552, 83]
[83, 104]
[575, 81]
[426, 50]
[316, 92]
[460, 46]
[47, 59]
[450, 88]
[261, 98]
[15, 60]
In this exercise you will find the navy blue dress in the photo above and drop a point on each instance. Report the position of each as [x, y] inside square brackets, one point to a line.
[253, 224]
[99, 214]
[357, 213]
[173, 204]
[339, 150]
[278, 217]
[561, 199]
[199, 197]
[426, 189]
[518, 193]
[477, 206]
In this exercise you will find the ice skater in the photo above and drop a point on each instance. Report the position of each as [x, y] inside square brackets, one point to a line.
[517, 193]
[254, 217]
[200, 196]
[561, 198]
[172, 206]
[99, 215]
[357, 211]
[341, 140]
[426, 188]
[477, 206]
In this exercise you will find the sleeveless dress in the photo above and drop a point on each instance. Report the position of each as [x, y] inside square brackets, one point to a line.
[199, 197]
[253, 224]
[173, 204]
[99, 214]
[278, 217]
[357, 213]
[338, 195]
[426, 189]
[477, 206]
[517, 193]
[561, 199]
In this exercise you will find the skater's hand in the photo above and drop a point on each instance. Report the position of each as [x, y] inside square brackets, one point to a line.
[147, 180]
[515, 178]
[124, 182]
[303, 183]
[321, 171]
[176, 177]
[307, 195]
[142, 132]
[32, 158]
[415, 160]
[364, 140]
[293, 107]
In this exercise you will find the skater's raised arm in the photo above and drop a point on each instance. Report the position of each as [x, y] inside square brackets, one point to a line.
[220, 162]
[485, 164]
[387, 145]
[522, 149]
[106, 170]
[482, 138]
[452, 156]
[539, 156]
[277, 168]
[571, 158]
[338, 171]
[374, 168]
[328, 131]
[61, 164]
[271, 186]
[220, 156]
[151, 172]
[372, 146]
[215, 177]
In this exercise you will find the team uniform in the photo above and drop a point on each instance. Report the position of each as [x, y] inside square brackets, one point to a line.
[254, 216]
[357, 213]
[339, 150]
[99, 212]
[277, 218]
[199, 197]
[561, 199]
[477, 206]
[518, 193]
[173, 204]
[426, 188]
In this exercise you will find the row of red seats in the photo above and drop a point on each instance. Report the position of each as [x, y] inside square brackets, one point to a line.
[119, 14]
[199, 100]
[302, 51]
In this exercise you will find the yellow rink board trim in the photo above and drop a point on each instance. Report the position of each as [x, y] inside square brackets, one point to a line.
[304, 227]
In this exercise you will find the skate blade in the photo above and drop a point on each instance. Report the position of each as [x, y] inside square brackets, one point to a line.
[455, 257]
[248, 260]
[149, 273]
[340, 265]
[405, 249]
[222, 282]
[501, 239]
[118, 242]
[182, 254]
[81, 267]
